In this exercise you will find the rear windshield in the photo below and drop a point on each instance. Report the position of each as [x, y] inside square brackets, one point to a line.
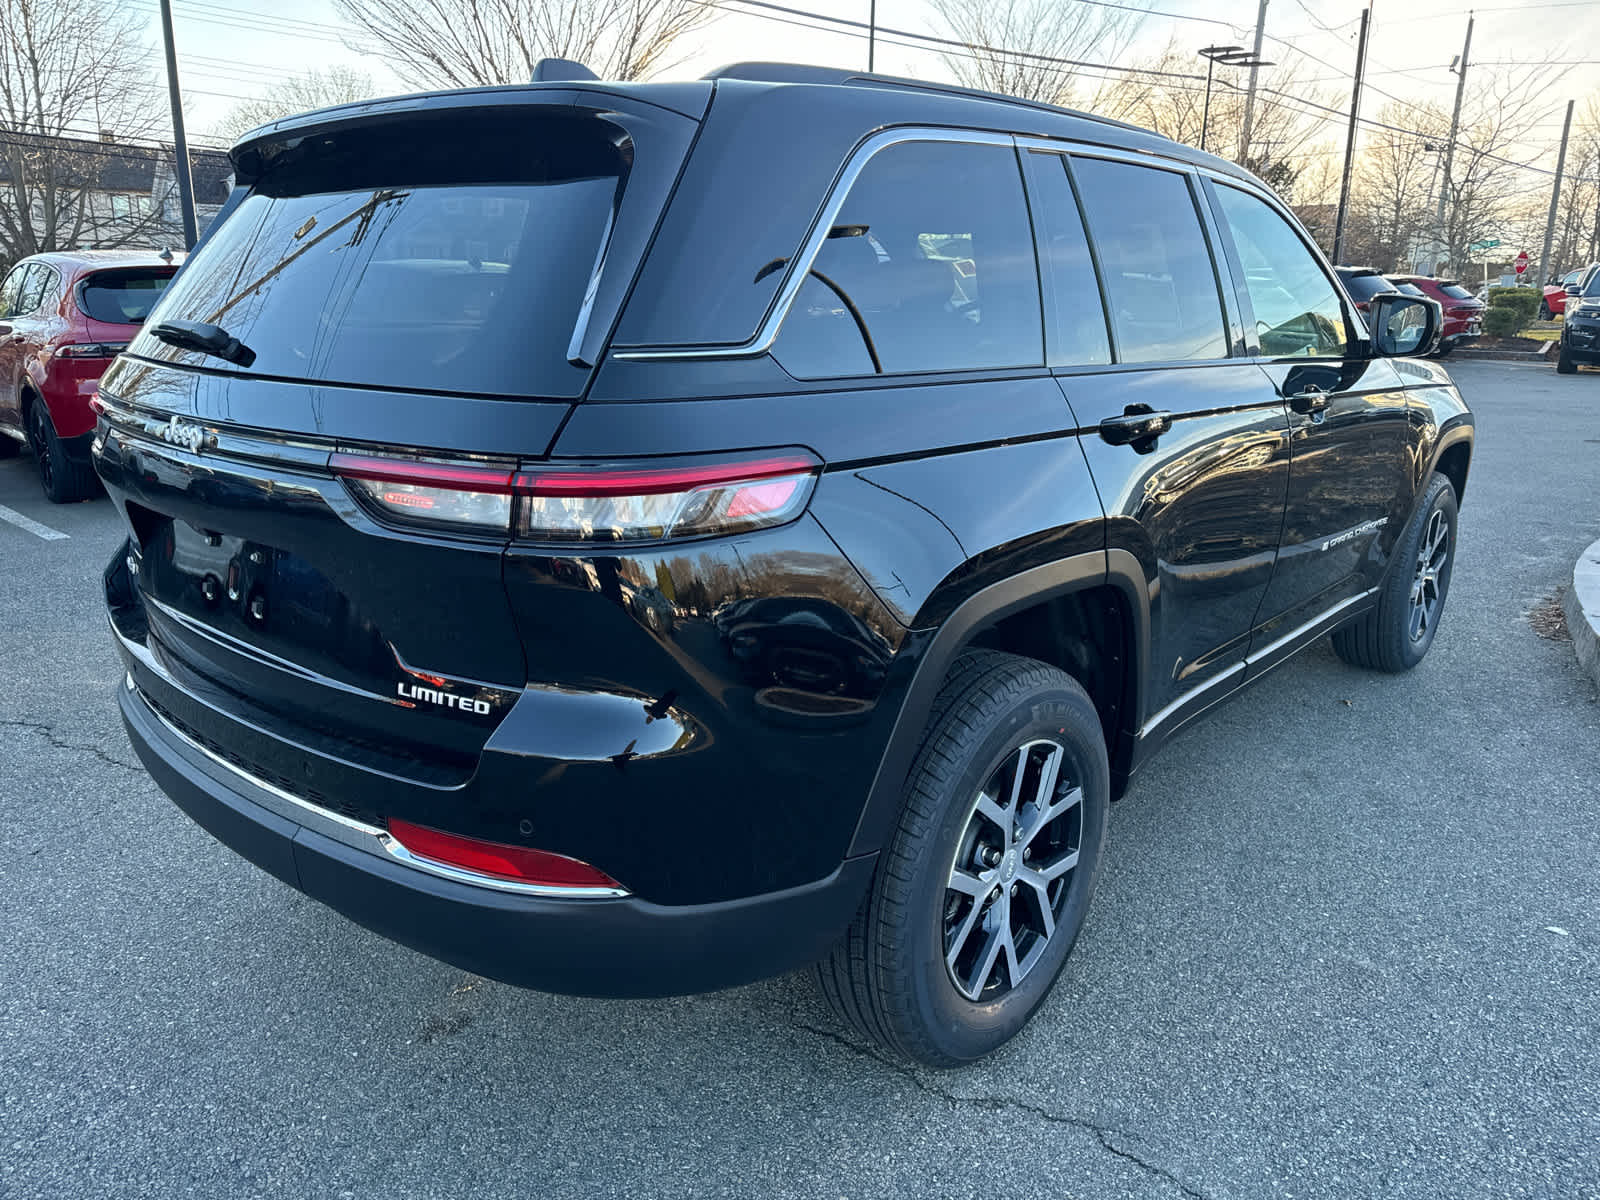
[1455, 291]
[1409, 289]
[423, 260]
[123, 297]
[1365, 287]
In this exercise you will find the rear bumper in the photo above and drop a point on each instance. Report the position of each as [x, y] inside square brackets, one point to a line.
[620, 946]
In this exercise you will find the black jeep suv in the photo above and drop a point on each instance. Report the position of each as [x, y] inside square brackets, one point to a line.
[636, 539]
[1580, 326]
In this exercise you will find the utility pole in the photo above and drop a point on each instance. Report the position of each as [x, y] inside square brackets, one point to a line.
[1250, 95]
[872, 35]
[1350, 140]
[180, 144]
[1555, 199]
[1450, 149]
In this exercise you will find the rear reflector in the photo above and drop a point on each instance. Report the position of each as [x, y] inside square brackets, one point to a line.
[498, 860]
[605, 502]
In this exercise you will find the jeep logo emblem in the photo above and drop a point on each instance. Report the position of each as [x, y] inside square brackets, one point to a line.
[181, 433]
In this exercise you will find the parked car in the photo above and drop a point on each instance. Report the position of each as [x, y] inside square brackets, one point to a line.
[1580, 329]
[1462, 311]
[63, 317]
[956, 522]
[1364, 284]
[1555, 294]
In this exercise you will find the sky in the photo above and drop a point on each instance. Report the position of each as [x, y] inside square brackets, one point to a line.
[235, 49]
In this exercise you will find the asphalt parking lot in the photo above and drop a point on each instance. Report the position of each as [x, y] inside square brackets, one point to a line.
[1347, 943]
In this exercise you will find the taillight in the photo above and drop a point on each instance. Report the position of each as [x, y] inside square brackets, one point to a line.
[497, 859]
[607, 502]
[431, 493]
[91, 350]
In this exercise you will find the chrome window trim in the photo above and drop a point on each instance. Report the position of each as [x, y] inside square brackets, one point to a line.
[369, 837]
[800, 264]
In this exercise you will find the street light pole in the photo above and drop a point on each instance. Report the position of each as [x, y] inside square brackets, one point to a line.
[180, 144]
[1228, 56]
[872, 35]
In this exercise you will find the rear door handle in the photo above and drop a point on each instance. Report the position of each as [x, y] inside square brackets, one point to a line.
[1311, 399]
[1138, 424]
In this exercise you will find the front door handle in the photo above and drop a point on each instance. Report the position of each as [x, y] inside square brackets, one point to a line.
[1309, 400]
[1138, 423]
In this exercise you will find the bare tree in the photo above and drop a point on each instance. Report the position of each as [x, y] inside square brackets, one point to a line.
[1166, 93]
[297, 94]
[471, 43]
[1488, 176]
[1395, 185]
[68, 68]
[1017, 47]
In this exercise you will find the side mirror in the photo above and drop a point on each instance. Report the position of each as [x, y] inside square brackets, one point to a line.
[1403, 325]
[1573, 289]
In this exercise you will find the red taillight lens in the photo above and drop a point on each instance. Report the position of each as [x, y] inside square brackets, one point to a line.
[609, 502]
[497, 859]
[471, 497]
[91, 350]
[626, 503]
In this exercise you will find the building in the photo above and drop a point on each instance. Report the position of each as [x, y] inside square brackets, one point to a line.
[104, 193]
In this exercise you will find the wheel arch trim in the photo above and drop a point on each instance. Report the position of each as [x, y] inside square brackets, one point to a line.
[1079, 572]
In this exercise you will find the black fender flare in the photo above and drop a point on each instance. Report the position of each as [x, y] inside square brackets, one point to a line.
[1116, 567]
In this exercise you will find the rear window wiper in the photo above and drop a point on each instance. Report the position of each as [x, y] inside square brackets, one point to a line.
[208, 339]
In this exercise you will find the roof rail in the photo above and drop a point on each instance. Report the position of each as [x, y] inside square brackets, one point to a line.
[779, 72]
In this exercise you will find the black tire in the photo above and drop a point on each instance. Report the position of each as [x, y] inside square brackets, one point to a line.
[1564, 363]
[1387, 637]
[887, 978]
[65, 480]
[1444, 350]
[1544, 311]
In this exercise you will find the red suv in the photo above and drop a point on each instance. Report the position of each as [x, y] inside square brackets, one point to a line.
[63, 317]
[1463, 312]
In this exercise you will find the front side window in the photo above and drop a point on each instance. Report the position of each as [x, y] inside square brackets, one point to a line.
[35, 289]
[1297, 308]
[929, 265]
[1159, 277]
[11, 290]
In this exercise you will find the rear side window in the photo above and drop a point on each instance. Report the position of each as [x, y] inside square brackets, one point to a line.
[932, 255]
[122, 297]
[1159, 277]
[1456, 292]
[1298, 312]
[419, 260]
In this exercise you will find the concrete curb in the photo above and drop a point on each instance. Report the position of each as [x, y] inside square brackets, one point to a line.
[1581, 604]
[1534, 356]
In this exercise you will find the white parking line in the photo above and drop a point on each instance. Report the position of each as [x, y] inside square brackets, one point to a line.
[32, 526]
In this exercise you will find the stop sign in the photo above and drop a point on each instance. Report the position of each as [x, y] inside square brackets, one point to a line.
[1522, 262]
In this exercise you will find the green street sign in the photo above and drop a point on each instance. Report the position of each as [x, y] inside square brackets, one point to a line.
[1490, 244]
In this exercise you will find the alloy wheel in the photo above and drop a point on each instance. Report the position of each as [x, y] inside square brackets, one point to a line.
[1013, 869]
[1427, 585]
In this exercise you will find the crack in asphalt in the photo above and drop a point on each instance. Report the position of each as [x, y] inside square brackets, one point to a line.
[1006, 1103]
[60, 743]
